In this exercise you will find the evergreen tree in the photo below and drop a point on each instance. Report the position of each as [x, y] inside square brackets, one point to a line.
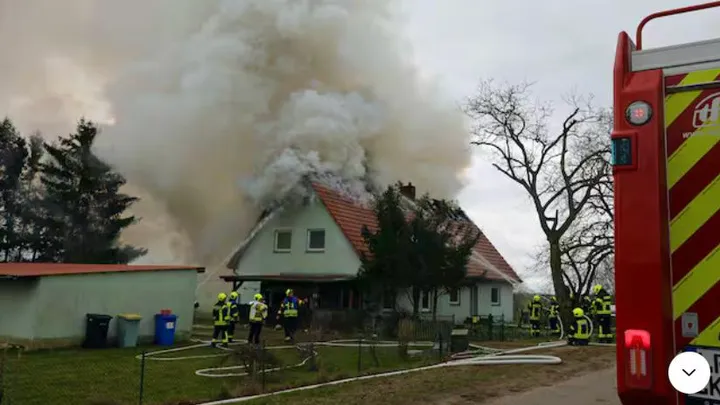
[386, 266]
[83, 203]
[423, 247]
[443, 240]
[13, 155]
[33, 230]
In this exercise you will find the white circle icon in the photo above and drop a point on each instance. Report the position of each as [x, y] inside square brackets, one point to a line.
[689, 373]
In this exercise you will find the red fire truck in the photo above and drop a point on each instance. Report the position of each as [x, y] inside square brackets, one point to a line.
[666, 157]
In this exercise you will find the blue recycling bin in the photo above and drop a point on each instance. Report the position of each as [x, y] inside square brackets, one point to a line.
[165, 329]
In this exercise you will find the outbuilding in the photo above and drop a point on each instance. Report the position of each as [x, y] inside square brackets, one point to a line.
[45, 304]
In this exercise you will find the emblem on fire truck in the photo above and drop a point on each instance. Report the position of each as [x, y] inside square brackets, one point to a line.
[706, 117]
[707, 112]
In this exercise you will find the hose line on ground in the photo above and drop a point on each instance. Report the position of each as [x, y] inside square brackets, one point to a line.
[478, 355]
[496, 358]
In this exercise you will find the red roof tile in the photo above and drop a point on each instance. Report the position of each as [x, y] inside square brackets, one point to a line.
[351, 216]
[60, 269]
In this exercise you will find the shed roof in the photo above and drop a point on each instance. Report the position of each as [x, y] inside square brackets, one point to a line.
[60, 269]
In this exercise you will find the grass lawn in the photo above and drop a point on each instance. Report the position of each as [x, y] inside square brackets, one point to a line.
[456, 385]
[85, 377]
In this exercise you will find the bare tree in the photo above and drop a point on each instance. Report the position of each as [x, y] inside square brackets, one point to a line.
[561, 167]
[587, 248]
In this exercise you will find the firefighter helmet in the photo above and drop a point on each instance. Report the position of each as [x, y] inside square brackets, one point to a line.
[578, 313]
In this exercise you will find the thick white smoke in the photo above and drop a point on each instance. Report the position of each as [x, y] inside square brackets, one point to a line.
[222, 106]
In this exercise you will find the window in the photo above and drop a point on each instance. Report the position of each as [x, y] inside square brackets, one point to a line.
[495, 296]
[283, 240]
[389, 300]
[315, 240]
[454, 296]
[425, 301]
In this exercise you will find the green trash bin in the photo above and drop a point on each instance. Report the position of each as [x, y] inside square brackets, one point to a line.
[128, 329]
[459, 340]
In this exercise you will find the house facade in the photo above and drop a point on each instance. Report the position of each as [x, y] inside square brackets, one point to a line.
[315, 249]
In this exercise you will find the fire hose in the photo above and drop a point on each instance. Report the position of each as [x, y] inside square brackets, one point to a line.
[477, 356]
[461, 359]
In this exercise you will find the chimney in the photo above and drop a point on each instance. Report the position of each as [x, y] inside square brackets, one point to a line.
[408, 191]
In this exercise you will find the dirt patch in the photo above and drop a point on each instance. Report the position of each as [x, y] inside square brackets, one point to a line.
[512, 379]
[597, 388]
[456, 385]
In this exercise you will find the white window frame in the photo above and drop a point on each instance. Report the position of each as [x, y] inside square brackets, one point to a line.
[307, 244]
[450, 300]
[275, 240]
[499, 299]
[423, 295]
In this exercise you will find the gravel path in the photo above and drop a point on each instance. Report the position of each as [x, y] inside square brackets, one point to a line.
[596, 388]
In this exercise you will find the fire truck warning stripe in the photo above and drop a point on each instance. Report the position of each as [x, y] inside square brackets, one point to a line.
[698, 247]
[689, 153]
[692, 217]
[696, 283]
[674, 80]
[695, 181]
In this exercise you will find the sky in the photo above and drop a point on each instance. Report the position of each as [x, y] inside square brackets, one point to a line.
[561, 46]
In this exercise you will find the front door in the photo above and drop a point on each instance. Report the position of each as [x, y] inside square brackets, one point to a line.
[474, 298]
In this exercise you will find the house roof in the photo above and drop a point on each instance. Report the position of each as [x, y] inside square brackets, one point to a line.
[351, 216]
[318, 278]
[19, 270]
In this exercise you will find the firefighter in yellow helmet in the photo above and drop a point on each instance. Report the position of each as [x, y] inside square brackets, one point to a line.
[234, 315]
[602, 308]
[221, 320]
[536, 309]
[258, 314]
[579, 331]
[553, 314]
[289, 312]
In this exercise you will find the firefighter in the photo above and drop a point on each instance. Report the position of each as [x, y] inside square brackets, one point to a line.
[221, 319]
[536, 309]
[586, 305]
[289, 312]
[258, 314]
[602, 307]
[234, 315]
[579, 331]
[553, 313]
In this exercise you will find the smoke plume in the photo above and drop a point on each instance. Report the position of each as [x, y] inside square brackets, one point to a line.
[215, 108]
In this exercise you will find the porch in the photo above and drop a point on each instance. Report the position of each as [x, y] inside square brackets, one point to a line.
[322, 291]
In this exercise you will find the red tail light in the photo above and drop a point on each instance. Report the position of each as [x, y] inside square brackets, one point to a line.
[638, 364]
